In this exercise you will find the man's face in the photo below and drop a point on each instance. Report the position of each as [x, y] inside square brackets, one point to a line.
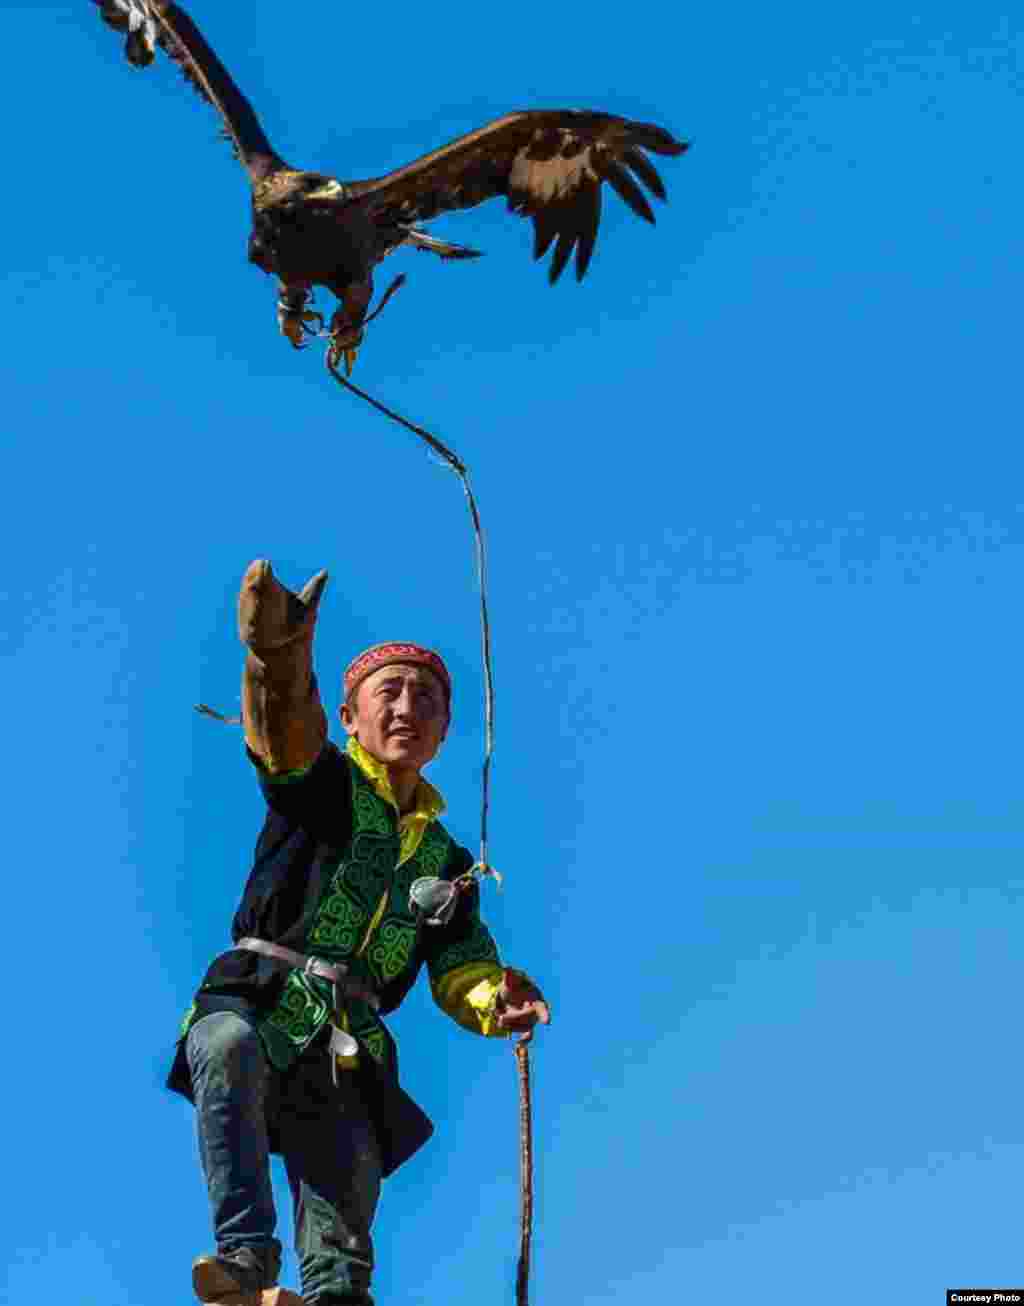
[399, 715]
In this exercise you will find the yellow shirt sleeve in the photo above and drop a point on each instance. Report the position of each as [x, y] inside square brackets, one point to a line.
[468, 994]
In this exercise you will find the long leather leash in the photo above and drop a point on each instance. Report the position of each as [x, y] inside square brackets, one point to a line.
[451, 459]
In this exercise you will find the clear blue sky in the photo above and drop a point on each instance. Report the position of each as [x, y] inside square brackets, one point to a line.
[753, 497]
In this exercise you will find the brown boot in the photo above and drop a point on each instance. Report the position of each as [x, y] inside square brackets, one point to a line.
[236, 1278]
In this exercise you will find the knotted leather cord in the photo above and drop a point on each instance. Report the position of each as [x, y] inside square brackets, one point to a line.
[205, 710]
[482, 866]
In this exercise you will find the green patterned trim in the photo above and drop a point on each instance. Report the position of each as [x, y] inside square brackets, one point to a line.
[367, 1028]
[354, 892]
[477, 946]
[371, 812]
[432, 854]
[187, 1019]
[376, 1043]
[300, 1014]
[391, 949]
[340, 922]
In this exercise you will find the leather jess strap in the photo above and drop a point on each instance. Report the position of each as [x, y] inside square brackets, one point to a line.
[344, 986]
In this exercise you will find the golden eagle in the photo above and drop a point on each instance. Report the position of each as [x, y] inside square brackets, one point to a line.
[313, 230]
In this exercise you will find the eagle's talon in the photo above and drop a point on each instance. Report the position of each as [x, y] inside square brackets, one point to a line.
[345, 341]
[293, 317]
[337, 351]
[292, 328]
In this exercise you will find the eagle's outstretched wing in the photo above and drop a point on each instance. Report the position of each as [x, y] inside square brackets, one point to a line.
[549, 163]
[161, 22]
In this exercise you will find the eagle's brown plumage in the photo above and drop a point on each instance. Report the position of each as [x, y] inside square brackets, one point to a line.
[310, 229]
[550, 164]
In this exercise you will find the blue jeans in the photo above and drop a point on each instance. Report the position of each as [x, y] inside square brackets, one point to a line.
[244, 1109]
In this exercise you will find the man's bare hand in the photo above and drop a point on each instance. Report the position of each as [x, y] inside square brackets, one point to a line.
[270, 616]
[520, 1003]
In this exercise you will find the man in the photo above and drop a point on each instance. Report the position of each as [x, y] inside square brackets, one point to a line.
[355, 886]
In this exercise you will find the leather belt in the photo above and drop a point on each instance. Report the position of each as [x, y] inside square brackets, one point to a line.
[336, 972]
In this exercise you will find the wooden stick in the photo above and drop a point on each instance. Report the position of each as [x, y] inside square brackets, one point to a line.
[522, 1051]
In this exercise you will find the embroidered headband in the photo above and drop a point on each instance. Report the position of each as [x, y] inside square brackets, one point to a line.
[382, 655]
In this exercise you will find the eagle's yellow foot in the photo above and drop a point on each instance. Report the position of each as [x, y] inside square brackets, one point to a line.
[296, 326]
[292, 328]
[345, 342]
[293, 318]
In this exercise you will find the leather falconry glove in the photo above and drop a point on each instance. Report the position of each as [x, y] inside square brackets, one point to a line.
[285, 723]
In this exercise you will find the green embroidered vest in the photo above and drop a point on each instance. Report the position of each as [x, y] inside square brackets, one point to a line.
[365, 872]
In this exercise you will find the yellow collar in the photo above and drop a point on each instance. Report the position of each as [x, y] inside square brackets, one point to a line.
[427, 805]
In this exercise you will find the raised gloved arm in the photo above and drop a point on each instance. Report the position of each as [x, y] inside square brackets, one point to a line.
[285, 724]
